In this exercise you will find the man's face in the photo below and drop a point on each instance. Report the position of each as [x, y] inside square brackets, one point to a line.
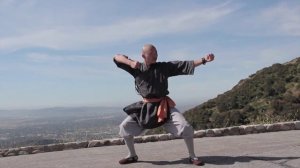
[149, 54]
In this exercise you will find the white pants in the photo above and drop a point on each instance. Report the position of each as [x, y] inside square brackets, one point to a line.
[176, 125]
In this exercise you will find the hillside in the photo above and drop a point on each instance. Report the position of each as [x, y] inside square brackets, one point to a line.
[270, 95]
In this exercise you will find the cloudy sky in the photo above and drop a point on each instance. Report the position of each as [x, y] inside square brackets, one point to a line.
[59, 53]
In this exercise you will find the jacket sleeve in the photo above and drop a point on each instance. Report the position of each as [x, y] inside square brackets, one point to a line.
[126, 67]
[175, 68]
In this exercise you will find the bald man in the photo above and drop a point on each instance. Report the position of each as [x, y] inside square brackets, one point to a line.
[156, 108]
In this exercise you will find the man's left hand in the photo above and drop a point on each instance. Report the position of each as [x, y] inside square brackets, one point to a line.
[209, 57]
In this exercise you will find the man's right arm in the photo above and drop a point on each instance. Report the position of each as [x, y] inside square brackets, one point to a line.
[125, 60]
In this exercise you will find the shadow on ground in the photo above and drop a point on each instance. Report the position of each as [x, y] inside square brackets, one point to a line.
[175, 162]
[230, 160]
[223, 160]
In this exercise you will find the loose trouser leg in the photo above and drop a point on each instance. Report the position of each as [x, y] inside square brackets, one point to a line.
[178, 126]
[128, 129]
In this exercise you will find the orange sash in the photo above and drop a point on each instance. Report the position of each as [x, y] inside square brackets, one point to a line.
[163, 106]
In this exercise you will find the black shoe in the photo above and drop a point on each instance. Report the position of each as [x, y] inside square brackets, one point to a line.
[128, 160]
[196, 161]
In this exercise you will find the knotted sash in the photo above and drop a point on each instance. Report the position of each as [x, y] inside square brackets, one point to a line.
[162, 111]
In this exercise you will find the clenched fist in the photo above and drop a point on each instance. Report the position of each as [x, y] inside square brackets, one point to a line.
[134, 64]
[209, 57]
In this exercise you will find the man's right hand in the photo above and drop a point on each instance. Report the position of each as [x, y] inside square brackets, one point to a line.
[135, 64]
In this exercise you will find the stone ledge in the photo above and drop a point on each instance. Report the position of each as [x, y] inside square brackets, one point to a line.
[236, 130]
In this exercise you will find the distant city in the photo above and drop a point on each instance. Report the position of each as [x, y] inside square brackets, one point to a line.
[58, 125]
[19, 128]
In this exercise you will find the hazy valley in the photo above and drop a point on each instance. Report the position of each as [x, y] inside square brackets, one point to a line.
[55, 125]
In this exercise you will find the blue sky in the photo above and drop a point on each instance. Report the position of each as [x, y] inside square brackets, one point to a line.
[59, 53]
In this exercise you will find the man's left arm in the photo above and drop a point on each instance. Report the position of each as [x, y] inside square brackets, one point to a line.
[175, 68]
[202, 61]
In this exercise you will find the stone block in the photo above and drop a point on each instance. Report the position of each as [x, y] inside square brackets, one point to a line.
[199, 133]
[3, 152]
[297, 125]
[276, 127]
[269, 127]
[38, 151]
[272, 127]
[105, 142]
[163, 137]
[260, 128]
[95, 143]
[12, 152]
[23, 153]
[27, 149]
[242, 129]
[210, 133]
[249, 129]
[56, 147]
[284, 126]
[83, 144]
[138, 139]
[234, 130]
[150, 138]
[71, 145]
[225, 131]
[171, 136]
[117, 141]
[218, 131]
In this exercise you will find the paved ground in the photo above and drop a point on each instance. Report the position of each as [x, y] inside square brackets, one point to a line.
[274, 150]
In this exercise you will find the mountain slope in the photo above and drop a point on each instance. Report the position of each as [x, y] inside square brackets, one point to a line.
[271, 94]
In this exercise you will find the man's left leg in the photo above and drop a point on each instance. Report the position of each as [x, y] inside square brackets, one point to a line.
[178, 126]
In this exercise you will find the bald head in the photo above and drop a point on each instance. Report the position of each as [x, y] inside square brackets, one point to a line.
[149, 47]
[149, 53]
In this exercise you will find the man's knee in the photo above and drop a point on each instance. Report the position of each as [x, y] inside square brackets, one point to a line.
[123, 125]
[188, 131]
[129, 128]
[123, 129]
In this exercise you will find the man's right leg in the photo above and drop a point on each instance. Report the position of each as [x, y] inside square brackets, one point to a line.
[128, 129]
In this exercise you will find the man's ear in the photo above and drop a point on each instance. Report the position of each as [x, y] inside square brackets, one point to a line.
[143, 56]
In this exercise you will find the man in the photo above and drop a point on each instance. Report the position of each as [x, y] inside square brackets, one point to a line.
[156, 109]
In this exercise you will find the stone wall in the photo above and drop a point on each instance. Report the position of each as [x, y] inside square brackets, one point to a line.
[237, 130]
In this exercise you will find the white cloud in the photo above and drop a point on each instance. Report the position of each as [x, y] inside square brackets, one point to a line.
[271, 19]
[131, 29]
[47, 58]
[59, 71]
[40, 57]
[179, 54]
[60, 66]
[67, 66]
[284, 18]
[281, 19]
[285, 53]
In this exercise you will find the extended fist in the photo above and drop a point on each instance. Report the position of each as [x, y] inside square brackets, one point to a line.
[209, 57]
